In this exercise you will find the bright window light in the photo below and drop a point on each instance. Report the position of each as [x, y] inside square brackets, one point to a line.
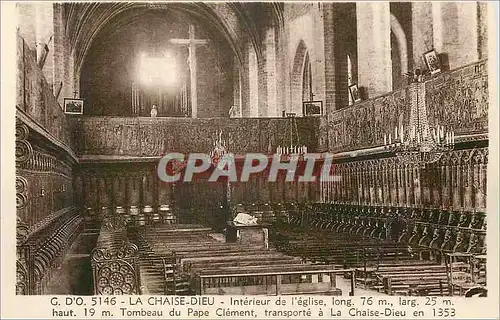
[157, 70]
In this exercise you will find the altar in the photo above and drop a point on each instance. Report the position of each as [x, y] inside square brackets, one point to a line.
[256, 235]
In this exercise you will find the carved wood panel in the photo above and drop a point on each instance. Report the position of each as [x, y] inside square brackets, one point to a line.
[457, 181]
[457, 99]
[154, 137]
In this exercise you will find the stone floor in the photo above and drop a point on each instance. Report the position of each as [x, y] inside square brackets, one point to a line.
[74, 276]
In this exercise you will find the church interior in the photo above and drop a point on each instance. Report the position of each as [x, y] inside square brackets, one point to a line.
[395, 93]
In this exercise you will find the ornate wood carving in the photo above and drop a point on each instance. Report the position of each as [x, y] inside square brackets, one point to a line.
[22, 279]
[402, 185]
[155, 137]
[35, 98]
[462, 106]
[460, 99]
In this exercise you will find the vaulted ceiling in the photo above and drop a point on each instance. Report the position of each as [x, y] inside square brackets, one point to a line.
[235, 22]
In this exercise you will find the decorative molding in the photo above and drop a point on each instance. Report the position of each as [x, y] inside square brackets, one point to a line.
[22, 232]
[125, 251]
[24, 150]
[22, 279]
[44, 162]
[116, 159]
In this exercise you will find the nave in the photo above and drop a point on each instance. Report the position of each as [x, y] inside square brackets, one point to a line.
[306, 249]
[395, 94]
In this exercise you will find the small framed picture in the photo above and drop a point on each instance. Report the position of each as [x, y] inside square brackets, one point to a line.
[73, 106]
[355, 95]
[432, 61]
[312, 108]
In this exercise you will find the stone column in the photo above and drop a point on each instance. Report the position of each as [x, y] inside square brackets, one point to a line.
[253, 82]
[421, 15]
[455, 31]
[374, 47]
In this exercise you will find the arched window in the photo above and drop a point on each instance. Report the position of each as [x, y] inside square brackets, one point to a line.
[307, 92]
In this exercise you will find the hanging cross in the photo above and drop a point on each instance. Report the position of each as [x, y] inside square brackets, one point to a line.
[192, 43]
[75, 93]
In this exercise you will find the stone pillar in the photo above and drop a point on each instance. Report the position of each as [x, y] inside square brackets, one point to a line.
[468, 180]
[270, 68]
[280, 55]
[237, 90]
[394, 182]
[455, 32]
[329, 45]
[417, 173]
[147, 190]
[62, 66]
[482, 30]
[422, 31]
[374, 47]
[253, 81]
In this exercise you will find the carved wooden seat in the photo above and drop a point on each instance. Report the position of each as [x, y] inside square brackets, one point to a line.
[114, 261]
[42, 250]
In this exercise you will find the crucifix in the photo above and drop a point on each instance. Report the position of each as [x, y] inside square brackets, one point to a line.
[192, 43]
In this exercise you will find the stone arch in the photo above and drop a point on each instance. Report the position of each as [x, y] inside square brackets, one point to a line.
[296, 78]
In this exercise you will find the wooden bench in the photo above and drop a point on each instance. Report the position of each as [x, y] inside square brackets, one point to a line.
[271, 281]
[193, 251]
[423, 279]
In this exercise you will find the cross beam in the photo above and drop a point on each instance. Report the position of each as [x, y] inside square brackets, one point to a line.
[192, 43]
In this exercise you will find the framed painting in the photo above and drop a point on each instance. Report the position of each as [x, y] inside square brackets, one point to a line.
[432, 61]
[73, 106]
[312, 108]
[354, 91]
